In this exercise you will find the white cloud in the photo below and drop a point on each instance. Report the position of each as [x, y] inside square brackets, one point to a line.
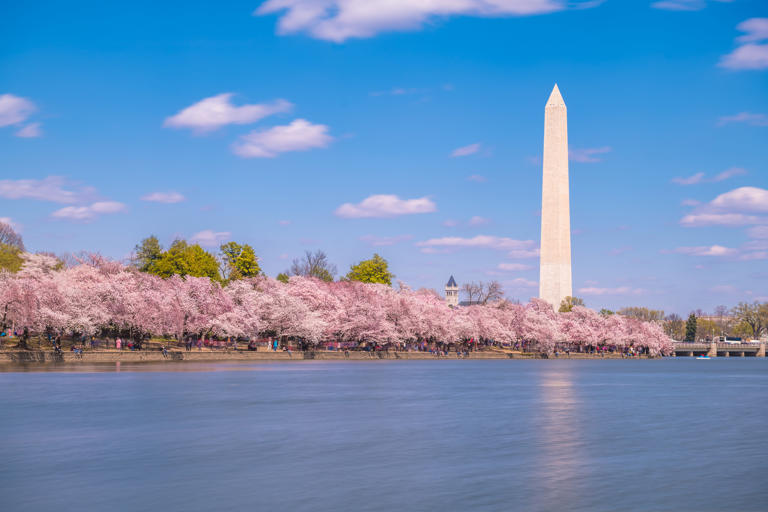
[750, 55]
[478, 178]
[521, 282]
[163, 197]
[729, 173]
[339, 20]
[514, 266]
[210, 238]
[700, 177]
[712, 250]
[88, 212]
[212, 113]
[756, 30]
[14, 110]
[284, 222]
[385, 205]
[478, 221]
[379, 241]
[480, 241]
[587, 155]
[720, 219]
[758, 232]
[744, 117]
[681, 5]
[450, 223]
[748, 199]
[690, 180]
[300, 135]
[523, 253]
[51, 188]
[690, 202]
[621, 290]
[29, 131]
[466, 150]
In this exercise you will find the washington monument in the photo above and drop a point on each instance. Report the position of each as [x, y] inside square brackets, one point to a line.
[555, 263]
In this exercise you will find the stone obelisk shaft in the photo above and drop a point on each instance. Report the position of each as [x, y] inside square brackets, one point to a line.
[555, 263]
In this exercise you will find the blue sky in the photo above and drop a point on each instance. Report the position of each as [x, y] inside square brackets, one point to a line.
[271, 123]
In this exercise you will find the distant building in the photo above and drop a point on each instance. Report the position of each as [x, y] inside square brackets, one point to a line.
[452, 293]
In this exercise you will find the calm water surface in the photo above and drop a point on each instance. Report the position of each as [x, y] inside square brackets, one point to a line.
[679, 434]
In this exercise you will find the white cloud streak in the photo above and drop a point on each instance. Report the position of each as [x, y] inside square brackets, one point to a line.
[90, 212]
[587, 155]
[163, 197]
[466, 150]
[482, 242]
[51, 188]
[339, 20]
[300, 135]
[30, 131]
[14, 109]
[212, 113]
[751, 55]
[384, 206]
[621, 290]
[746, 118]
[209, 238]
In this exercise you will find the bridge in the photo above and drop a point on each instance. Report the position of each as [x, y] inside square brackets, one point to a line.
[714, 349]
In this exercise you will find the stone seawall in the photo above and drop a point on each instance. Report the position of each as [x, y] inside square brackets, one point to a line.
[13, 357]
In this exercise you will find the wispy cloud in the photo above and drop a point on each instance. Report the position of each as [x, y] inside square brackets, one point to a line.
[480, 241]
[478, 221]
[89, 212]
[15, 109]
[300, 135]
[52, 188]
[700, 177]
[379, 241]
[339, 20]
[690, 180]
[477, 178]
[385, 205]
[750, 55]
[521, 282]
[682, 5]
[163, 197]
[744, 117]
[587, 155]
[620, 290]
[210, 238]
[30, 131]
[466, 150]
[710, 250]
[212, 113]
[514, 267]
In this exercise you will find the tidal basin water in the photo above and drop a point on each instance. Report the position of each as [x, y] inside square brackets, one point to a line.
[677, 434]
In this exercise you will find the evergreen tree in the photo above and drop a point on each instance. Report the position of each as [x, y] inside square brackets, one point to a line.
[690, 328]
[147, 253]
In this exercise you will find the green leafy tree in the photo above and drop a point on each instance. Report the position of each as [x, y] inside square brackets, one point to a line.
[186, 260]
[147, 253]
[374, 270]
[690, 328]
[282, 277]
[606, 312]
[569, 302]
[240, 261]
